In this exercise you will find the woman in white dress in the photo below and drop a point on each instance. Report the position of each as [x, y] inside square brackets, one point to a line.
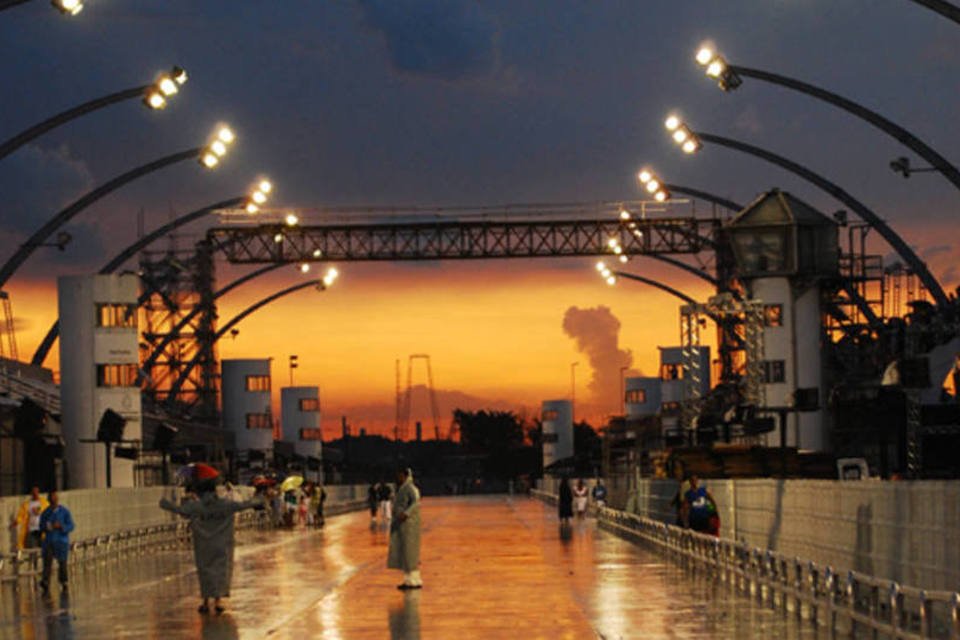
[580, 494]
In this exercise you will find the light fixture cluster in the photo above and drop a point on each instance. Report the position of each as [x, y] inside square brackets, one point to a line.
[615, 246]
[606, 273]
[167, 85]
[68, 7]
[682, 134]
[217, 148]
[259, 195]
[627, 219]
[715, 66]
[330, 276]
[653, 185]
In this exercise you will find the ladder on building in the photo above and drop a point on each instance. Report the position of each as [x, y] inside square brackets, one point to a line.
[8, 335]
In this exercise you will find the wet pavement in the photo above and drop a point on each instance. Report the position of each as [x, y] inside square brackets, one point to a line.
[493, 567]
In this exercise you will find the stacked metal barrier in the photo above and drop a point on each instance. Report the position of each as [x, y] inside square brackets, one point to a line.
[851, 601]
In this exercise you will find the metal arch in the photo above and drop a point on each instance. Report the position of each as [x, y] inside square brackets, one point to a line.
[704, 195]
[44, 349]
[39, 129]
[917, 145]
[175, 389]
[656, 283]
[942, 7]
[868, 216]
[175, 332]
[28, 247]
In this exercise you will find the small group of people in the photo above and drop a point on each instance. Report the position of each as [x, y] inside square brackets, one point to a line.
[380, 502]
[45, 524]
[578, 497]
[299, 506]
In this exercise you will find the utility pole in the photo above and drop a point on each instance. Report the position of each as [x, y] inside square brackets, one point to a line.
[573, 391]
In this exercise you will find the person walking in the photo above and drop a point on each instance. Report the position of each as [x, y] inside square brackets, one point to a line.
[564, 501]
[27, 520]
[600, 494]
[321, 496]
[373, 500]
[580, 495]
[211, 522]
[385, 495]
[56, 523]
[404, 551]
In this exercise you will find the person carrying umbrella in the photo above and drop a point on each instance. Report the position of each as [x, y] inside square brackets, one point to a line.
[211, 522]
[404, 553]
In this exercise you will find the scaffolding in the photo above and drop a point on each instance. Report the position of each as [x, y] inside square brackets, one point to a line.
[408, 398]
[8, 334]
[178, 284]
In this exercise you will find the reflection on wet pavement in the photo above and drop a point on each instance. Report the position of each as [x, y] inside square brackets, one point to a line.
[493, 568]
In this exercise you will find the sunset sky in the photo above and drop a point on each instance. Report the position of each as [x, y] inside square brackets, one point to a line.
[430, 102]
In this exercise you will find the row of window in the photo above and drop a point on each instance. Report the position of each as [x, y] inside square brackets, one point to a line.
[117, 315]
[258, 383]
[117, 375]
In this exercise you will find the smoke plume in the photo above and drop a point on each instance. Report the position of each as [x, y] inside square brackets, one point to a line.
[597, 332]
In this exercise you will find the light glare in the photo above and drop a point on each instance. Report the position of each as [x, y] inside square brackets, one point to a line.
[218, 148]
[252, 208]
[704, 55]
[291, 219]
[167, 86]
[304, 267]
[680, 135]
[210, 160]
[611, 280]
[266, 186]
[601, 266]
[644, 176]
[660, 196]
[155, 100]
[672, 123]
[317, 253]
[624, 259]
[715, 68]
[226, 135]
[258, 197]
[652, 186]
[624, 214]
[689, 146]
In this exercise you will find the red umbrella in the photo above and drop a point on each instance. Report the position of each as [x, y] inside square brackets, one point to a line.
[197, 471]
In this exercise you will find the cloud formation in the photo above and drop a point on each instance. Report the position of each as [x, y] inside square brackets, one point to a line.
[597, 333]
[443, 39]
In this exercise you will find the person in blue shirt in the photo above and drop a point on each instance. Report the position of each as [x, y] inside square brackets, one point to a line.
[699, 509]
[56, 523]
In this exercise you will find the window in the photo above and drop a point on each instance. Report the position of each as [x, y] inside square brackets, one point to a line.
[116, 375]
[773, 315]
[258, 383]
[550, 437]
[670, 408]
[636, 396]
[117, 315]
[774, 371]
[671, 372]
[550, 415]
[259, 421]
[309, 404]
[311, 434]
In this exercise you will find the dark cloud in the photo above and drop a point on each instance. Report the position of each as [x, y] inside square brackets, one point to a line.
[39, 182]
[928, 252]
[445, 39]
[597, 332]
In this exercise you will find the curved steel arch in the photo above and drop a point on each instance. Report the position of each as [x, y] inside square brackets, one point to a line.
[54, 223]
[892, 129]
[899, 245]
[175, 388]
[942, 7]
[44, 349]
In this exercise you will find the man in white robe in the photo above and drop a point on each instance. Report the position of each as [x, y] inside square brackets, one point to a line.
[404, 551]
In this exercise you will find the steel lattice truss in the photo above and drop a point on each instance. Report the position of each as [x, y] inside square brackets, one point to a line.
[458, 240]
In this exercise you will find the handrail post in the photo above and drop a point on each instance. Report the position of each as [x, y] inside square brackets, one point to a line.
[894, 597]
[852, 597]
[924, 615]
[955, 617]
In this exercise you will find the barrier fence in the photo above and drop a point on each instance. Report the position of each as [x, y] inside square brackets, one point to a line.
[26, 563]
[850, 601]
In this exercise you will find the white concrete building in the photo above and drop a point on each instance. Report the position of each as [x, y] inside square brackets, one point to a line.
[300, 422]
[245, 389]
[99, 361]
[784, 247]
[557, 418]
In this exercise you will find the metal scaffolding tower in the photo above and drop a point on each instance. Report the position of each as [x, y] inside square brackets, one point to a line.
[8, 333]
[408, 397]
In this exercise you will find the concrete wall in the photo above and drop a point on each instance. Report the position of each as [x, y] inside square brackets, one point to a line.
[100, 512]
[904, 531]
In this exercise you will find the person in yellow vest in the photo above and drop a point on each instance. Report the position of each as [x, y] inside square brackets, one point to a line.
[27, 521]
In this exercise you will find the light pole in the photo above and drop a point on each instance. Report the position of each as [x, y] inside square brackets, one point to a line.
[293, 365]
[573, 391]
[154, 97]
[729, 77]
[320, 284]
[944, 8]
[209, 156]
[623, 391]
[262, 187]
[692, 141]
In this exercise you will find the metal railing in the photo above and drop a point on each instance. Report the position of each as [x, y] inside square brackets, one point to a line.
[851, 601]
